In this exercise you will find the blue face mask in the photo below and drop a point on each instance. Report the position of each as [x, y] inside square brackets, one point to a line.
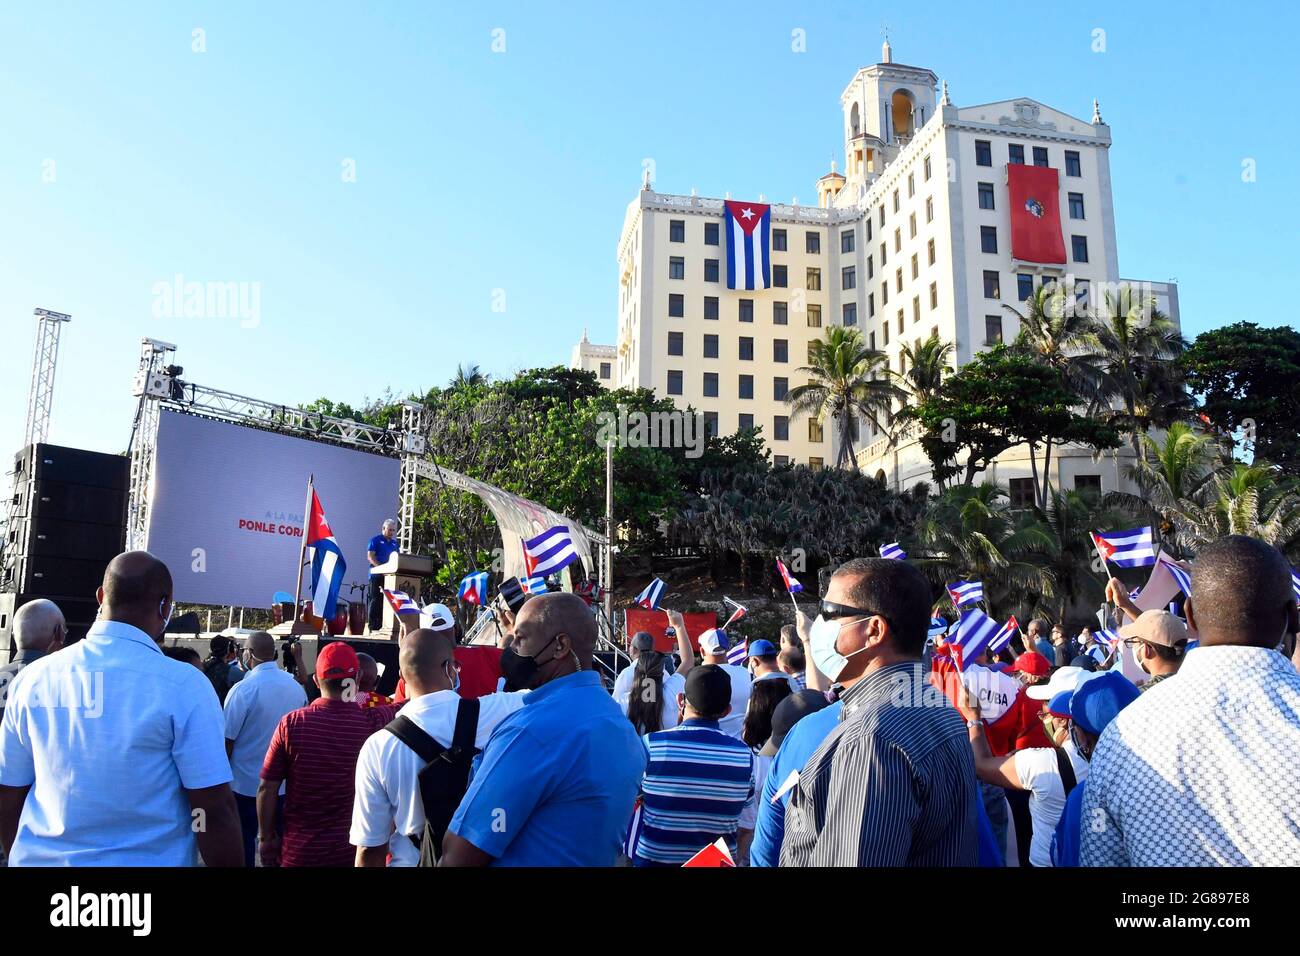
[823, 636]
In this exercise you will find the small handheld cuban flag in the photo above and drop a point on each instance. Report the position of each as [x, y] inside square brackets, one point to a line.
[550, 551]
[327, 564]
[965, 592]
[1295, 583]
[1003, 637]
[736, 615]
[739, 653]
[1107, 637]
[892, 551]
[401, 602]
[938, 628]
[473, 588]
[792, 584]
[975, 631]
[649, 598]
[749, 241]
[536, 584]
[1181, 576]
[1126, 549]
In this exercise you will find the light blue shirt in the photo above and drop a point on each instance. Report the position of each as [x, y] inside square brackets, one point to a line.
[800, 741]
[557, 781]
[109, 734]
[254, 707]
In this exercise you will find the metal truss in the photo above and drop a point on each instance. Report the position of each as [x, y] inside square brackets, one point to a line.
[45, 356]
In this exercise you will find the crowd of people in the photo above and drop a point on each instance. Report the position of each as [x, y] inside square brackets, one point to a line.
[852, 737]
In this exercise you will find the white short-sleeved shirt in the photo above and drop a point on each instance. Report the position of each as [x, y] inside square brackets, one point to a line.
[1040, 774]
[741, 686]
[109, 734]
[253, 710]
[387, 798]
[673, 684]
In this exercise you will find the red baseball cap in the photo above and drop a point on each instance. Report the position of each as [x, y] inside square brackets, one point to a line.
[336, 661]
[1032, 663]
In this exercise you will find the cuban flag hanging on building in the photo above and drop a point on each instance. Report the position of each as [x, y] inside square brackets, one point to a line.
[473, 588]
[749, 243]
[975, 631]
[965, 592]
[792, 584]
[650, 597]
[1035, 205]
[550, 551]
[1127, 549]
[892, 552]
[327, 564]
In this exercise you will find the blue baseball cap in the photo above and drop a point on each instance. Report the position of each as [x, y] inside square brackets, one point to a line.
[1096, 701]
[762, 648]
[1059, 705]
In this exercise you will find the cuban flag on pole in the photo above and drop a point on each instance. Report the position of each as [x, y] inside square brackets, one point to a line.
[550, 551]
[965, 592]
[736, 615]
[749, 241]
[1003, 637]
[975, 631]
[534, 585]
[792, 584]
[401, 602]
[473, 588]
[892, 551]
[327, 564]
[650, 597]
[1127, 549]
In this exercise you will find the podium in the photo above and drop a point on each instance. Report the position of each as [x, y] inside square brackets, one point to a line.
[401, 572]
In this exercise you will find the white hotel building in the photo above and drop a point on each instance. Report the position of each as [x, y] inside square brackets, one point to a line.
[912, 239]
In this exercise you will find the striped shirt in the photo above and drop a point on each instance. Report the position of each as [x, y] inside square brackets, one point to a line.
[314, 751]
[695, 786]
[892, 785]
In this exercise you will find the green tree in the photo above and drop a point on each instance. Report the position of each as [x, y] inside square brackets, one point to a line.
[927, 363]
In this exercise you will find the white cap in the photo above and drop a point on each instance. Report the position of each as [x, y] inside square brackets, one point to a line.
[437, 617]
[1065, 678]
[713, 641]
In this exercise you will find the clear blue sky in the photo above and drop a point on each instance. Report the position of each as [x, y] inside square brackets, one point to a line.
[478, 171]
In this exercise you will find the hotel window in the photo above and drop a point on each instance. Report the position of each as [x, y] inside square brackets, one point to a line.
[911, 185]
[846, 241]
[815, 433]
[711, 270]
[983, 153]
[746, 310]
[710, 306]
[871, 341]
[780, 313]
[778, 240]
[677, 230]
[934, 295]
[816, 464]
[674, 381]
[710, 384]
[1081, 290]
[1040, 155]
[745, 387]
[848, 278]
[871, 267]
[902, 363]
[780, 461]
[884, 292]
[676, 305]
[871, 305]
[813, 282]
[898, 279]
[711, 424]
[746, 348]
[885, 329]
[916, 308]
[927, 169]
[916, 267]
[710, 346]
[991, 288]
[810, 353]
[986, 195]
[882, 215]
[992, 329]
[867, 222]
[1072, 166]
[1021, 492]
[814, 316]
[812, 243]
[884, 254]
[929, 249]
[929, 209]
[675, 343]
[605, 370]
[900, 321]
[780, 388]
[781, 428]
[1024, 286]
[710, 233]
[898, 240]
[779, 280]
[850, 313]
[934, 331]
[1089, 486]
[911, 226]
[1076, 206]
[746, 422]
[677, 268]
[781, 350]
[1015, 154]
[1079, 247]
[895, 200]
[988, 239]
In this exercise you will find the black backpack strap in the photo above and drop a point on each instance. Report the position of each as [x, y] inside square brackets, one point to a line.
[1068, 779]
[466, 731]
[405, 730]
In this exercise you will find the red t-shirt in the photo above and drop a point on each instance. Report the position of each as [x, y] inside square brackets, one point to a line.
[314, 751]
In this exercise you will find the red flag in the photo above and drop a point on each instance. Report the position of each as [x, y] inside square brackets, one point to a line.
[714, 855]
[1035, 214]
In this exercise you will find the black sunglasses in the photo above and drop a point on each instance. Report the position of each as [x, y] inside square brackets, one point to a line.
[830, 610]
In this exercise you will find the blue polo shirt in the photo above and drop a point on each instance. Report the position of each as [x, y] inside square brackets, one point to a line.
[802, 739]
[557, 781]
[384, 548]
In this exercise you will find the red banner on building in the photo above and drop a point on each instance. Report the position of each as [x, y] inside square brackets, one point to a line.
[1035, 214]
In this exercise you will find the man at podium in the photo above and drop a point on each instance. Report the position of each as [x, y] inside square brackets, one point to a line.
[382, 547]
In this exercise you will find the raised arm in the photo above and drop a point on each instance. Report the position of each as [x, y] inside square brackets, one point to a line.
[684, 648]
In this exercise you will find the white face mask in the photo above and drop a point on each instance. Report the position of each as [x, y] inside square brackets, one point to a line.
[823, 637]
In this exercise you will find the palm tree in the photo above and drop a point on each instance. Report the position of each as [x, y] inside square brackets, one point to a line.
[1169, 475]
[1244, 499]
[846, 378]
[466, 376]
[927, 362]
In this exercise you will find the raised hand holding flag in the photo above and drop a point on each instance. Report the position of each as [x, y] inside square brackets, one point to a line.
[650, 597]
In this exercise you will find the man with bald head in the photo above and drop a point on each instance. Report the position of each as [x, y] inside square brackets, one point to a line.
[38, 629]
[1203, 769]
[253, 710]
[558, 779]
[111, 754]
[388, 813]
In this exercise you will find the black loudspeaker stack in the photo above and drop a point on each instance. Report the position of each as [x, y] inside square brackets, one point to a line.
[67, 521]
